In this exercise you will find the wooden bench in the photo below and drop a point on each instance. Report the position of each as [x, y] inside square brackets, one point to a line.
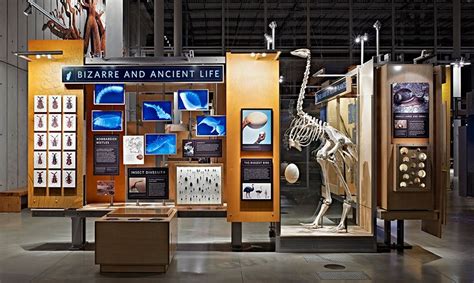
[14, 200]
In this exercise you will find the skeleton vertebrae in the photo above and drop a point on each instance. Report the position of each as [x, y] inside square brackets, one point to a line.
[305, 129]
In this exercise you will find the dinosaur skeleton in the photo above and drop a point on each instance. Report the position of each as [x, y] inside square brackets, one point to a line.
[335, 147]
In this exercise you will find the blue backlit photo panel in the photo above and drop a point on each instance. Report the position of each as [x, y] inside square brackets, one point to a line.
[160, 144]
[156, 111]
[109, 94]
[193, 100]
[211, 126]
[105, 121]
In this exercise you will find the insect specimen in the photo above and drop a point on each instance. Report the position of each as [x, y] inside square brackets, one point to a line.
[54, 122]
[54, 141]
[69, 121]
[40, 140]
[55, 103]
[54, 180]
[40, 104]
[40, 158]
[40, 178]
[55, 159]
[40, 122]
[68, 158]
[69, 102]
[68, 178]
[69, 141]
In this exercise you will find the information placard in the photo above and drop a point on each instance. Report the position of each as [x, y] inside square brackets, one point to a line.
[410, 110]
[106, 155]
[256, 179]
[202, 148]
[148, 183]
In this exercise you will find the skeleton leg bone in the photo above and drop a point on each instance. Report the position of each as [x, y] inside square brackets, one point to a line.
[327, 196]
[346, 206]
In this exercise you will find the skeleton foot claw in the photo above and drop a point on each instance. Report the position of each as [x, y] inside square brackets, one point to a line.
[339, 229]
[310, 225]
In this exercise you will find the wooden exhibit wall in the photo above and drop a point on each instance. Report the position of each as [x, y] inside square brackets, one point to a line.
[390, 199]
[91, 179]
[251, 83]
[134, 96]
[44, 78]
[366, 147]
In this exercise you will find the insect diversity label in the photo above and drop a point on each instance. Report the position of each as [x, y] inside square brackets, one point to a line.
[148, 183]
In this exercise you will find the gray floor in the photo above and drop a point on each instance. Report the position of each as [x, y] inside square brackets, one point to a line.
[33, 249]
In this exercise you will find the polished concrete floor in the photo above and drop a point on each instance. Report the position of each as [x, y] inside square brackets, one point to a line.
[35, 250]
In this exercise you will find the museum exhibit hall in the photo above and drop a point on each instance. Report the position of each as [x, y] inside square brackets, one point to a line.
[236, 141]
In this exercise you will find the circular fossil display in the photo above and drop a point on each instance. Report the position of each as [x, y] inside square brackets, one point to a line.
[406, 176]
[422, 185]
[422, 173]
[406, 159]
[403, 185]
[413, 165]
[403, 167]
[422, 156]
[421, 165]
[404, 150]
[417, 180]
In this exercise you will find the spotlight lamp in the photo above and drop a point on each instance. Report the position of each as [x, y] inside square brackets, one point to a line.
[361, 39]
[461, 62]
[28, 10]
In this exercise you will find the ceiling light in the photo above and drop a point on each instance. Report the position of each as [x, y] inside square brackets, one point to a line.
[252, 54]
[49, 56]
[28, 10]
[264, 54]
[357, 39]
[38, 56]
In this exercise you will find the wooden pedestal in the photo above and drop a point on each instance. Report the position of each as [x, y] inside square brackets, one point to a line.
[136, 240]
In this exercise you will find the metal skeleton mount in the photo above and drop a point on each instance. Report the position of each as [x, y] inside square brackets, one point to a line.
[335, 147]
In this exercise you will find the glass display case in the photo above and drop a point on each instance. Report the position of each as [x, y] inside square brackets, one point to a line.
[325, 205]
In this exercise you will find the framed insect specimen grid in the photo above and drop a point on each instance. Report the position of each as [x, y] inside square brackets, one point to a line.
[54, 129]
[199, 184]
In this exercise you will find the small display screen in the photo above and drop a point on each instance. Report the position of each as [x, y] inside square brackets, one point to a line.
[109, 94]
[156, 111]
[209, 126]
[193, 100]
[160, 144]
[104, 121]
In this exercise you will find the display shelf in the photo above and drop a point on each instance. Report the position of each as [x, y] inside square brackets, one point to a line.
[326, 231]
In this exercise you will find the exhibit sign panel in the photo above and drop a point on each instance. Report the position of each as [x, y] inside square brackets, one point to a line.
[256, 180]
[148, 183]
[106, 155]
[202, 148]
[144, 74]
[133, 150]
[410, 110]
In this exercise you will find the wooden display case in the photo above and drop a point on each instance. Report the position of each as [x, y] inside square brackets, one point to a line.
[136, 240]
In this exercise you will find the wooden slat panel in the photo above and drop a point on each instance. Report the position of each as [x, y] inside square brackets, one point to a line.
[44, 77]
[251, 84]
